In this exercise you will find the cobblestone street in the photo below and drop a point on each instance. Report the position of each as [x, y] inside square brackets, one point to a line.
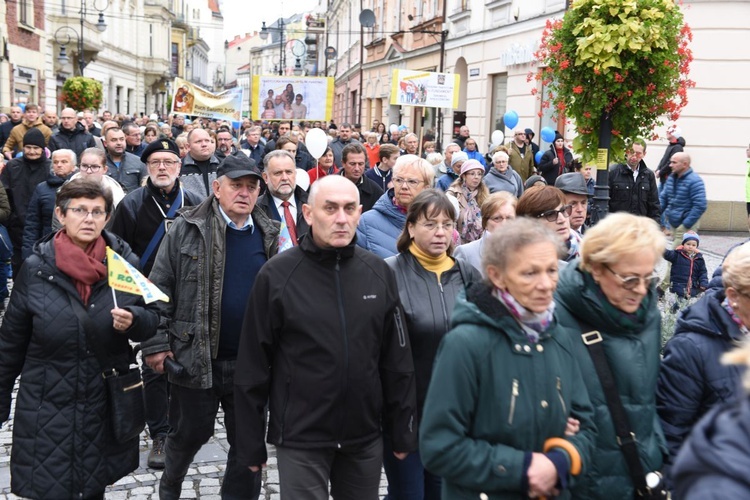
[203, 479]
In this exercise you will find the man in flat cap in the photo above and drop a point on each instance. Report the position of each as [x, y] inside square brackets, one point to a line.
[573, 186]
[142, 219]
[207, 265]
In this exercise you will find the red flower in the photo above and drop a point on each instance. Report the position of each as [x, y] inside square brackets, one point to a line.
[578, 89]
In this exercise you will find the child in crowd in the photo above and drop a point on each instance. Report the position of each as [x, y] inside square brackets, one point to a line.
[382, 173]
[689, 274]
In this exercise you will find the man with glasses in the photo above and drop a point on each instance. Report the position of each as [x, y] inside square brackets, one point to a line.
[142, 220]
[354, 160]
[521, 155]
[124, 167]
[573, 186]
[632, 185]
[225, 144]
[71, 135]
[133, 140]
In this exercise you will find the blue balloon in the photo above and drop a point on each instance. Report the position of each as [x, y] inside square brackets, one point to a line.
[511, 119]
[538, 156]
[548, 134]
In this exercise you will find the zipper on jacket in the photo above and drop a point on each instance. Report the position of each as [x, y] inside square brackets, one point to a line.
[342, 317]
[559, 394]
[513, 397]
[446, 320]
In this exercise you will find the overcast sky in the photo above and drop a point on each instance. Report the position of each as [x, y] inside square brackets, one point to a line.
[238, 19]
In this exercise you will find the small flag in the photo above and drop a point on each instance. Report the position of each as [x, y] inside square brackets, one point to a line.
[126, 278]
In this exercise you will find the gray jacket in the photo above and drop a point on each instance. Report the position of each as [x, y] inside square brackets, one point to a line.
[129, 174]
[508, 181]
[189, 267]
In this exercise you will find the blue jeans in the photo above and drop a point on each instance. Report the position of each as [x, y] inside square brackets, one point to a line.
[407, 478]
[6, 252]
[192, 413]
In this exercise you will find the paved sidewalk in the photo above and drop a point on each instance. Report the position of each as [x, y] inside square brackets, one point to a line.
[203, 480]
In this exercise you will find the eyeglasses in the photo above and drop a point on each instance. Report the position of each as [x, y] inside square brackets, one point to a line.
[166, 163]
[83, 213]
[498, 219]
[410, 183]
[90, 168]
[551, 215]
[631, 282]
[434, 226]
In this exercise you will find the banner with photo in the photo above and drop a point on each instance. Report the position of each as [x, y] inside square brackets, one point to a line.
[423, 88]
[292, 98]
[189, 99]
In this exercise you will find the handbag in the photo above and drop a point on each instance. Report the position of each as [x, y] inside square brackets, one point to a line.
[126, 403]
[649, 486]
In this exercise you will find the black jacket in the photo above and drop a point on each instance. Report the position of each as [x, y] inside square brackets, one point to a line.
[323, 342]
[77, 140]
[714, 461]
[40, 212]
[5, 129]
[266, 202]
[129, 174]
[137, 217]
[692, 380]
[62, 441]
[549, 170]
[20, 178]
[663, 169]
[428, 306]
[639, 196]
[369, 192]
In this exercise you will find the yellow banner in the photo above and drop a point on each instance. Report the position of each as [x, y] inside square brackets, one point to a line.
[189, 99]
[126, 278]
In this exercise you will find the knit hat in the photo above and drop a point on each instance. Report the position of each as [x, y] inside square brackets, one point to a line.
[558, 135]
[34, 137]
[459, 156]
[691, 236]
[529, 133]
[470, 165]
[159, 145]
[675, 131]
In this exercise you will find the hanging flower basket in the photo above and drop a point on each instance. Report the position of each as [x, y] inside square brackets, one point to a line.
[80, 93]
[629, 59]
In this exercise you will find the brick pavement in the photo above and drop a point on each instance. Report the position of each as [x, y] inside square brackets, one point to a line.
[203, 479]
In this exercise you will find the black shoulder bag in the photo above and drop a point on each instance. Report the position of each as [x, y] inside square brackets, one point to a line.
[649, 486]
[125, 393]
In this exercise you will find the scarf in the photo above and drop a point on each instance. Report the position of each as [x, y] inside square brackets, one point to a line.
[561, 157]
[573, 245]
[471, 217]
[400, 208]
[85, 267]
[627, 321]
[534, 324]
[437, 265]
[728, 308]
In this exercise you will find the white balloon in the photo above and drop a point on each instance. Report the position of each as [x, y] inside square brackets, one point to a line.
[497, 137]
[303, 178]
[316, 142]
[393, 128]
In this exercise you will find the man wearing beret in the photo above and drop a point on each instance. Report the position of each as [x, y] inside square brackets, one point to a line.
[142, 219]
[207, 265]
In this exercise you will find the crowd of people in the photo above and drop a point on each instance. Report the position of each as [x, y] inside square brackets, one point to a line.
[452, 317]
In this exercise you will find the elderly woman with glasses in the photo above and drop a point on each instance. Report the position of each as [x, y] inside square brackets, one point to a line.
[607, 301]
[497, 209]
[61, 331]
[379, 228]
[547, 205]
[502, 177]
[429, 280]
[507, 415]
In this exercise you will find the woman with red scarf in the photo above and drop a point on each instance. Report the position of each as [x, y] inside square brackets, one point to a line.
[556, 161]
[325, 166]
[60, 330]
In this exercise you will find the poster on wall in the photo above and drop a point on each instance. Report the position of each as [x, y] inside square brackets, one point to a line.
[424, 88]
[292, 98]
[189, 99]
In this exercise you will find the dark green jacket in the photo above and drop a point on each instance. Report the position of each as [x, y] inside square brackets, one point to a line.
[633, 355]
[493, 397]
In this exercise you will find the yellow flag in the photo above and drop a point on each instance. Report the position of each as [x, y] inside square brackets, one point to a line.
[126, 278]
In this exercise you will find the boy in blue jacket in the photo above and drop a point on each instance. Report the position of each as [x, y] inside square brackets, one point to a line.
[689, 274]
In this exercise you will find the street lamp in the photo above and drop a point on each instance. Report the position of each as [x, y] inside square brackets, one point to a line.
[65, 34]
[264, 36]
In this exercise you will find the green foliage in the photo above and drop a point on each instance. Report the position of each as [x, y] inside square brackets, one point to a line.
[626, 58]
[81, 93]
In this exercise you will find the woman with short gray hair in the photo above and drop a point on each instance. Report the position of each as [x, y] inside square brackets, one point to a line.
[502, 177]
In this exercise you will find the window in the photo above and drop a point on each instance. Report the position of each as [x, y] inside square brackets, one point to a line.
[26, 13]
[175, 58]
[499, 101]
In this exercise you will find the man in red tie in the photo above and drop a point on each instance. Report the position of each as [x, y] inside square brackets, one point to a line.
[283, 200]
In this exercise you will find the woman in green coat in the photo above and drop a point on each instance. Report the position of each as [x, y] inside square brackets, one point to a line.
[506, 414]
[612, 290]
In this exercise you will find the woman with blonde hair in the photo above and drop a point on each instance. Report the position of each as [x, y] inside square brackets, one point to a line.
[607, 301]
[470, 192]
[691, 381]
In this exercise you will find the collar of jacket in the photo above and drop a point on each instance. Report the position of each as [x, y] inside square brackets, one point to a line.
[188, 160]
[358, 183]
[307, 244]
[155, 191]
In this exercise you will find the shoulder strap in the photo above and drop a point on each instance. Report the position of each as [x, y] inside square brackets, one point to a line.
[160, 230]
[626, 438]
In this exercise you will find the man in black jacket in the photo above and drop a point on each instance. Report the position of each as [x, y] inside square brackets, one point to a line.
[335, 370]
[354, 160]
[16, 117]
[71, 135]
[632, 186]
